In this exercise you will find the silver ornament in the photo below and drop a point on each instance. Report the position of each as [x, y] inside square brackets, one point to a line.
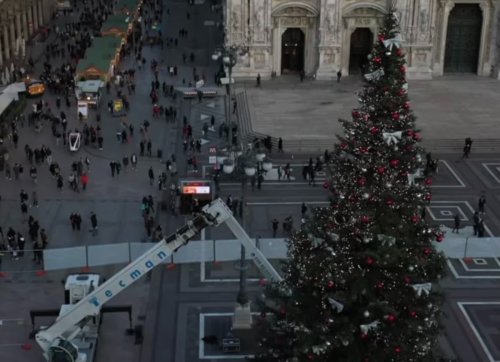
[366, 314]
[365, 195]
[411, 268]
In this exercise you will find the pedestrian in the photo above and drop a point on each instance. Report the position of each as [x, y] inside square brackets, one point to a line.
[275, 223]
[125, 163]
[258, 80]
[280, 172]
[480, 204]
[303, 210]
[476, 220]
[112, 166]
[280, 144]
[456, 223]
[141, 145]
[34, 199]
[467, 147]
[44, 238]
[93, 223]
[229, 201]
[260, 180]
[133, 161]
[78, 221]
[72, 220]
[339, 75]
[151, 175]
[149, 147]
[84, 179]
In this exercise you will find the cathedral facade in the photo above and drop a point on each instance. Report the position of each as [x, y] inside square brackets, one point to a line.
[321, 37]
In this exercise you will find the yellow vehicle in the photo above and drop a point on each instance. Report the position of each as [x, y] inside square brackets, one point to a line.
[34, 87]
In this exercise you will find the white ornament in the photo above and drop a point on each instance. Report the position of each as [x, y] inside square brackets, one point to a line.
[392, 138]
[366, 314]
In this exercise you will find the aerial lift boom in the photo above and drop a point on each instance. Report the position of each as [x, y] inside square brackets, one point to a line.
[56, 339]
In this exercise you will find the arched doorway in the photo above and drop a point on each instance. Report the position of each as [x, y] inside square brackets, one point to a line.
[292, 51]
[361, 46]
[463, 39]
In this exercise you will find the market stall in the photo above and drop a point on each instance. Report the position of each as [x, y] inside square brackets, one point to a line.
[116, 25]
[90, 92]
[100, 59]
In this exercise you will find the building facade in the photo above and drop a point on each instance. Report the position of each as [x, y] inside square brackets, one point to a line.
[321, 37]
[19, 21]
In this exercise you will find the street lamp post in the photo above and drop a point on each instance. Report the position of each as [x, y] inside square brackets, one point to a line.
[250, 164]
[229, 56]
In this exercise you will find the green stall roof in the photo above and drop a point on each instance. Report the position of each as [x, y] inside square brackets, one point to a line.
[130, 5]
[100, 54]
[118, 21]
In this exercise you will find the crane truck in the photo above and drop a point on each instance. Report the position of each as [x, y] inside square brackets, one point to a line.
[68, 336]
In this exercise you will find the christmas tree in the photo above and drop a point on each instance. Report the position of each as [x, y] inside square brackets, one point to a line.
[360, 283]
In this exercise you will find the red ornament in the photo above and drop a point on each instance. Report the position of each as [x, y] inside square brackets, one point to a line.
[361, 182]
[394, 163]
[428, 197]
[417, 136]
[377, 60]
[402, 92]
[399, 52]
[406, 105]
[331, 284]
[326, 185]
[428, 181]
[380, 285]
[381, 170]
[395, 116]
[374, 130]
[407, 279]
[365, 219]
[410, 133]
[343, 145]
[310, 357]
[439, 238]
[363, 149]
[381, 37]
[413, 314]
[415, 219]
[364, 336]
[370, 261]
[355, 114]
[397, 349]
[402, 69]
[391, 318]
[282, 310]
[427, 251]
[263, 281]
[389, 202]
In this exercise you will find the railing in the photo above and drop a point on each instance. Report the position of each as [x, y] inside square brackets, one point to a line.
[123, 253]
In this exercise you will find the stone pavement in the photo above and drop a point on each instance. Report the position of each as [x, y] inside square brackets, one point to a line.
[305, 114]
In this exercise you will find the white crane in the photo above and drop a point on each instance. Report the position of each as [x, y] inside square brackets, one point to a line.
[57, 341]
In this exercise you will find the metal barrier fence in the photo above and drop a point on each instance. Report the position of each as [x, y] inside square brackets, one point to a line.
[122, 253]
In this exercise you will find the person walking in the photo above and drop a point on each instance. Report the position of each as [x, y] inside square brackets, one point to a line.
[476, 219]
[112, 166]
[303, 210]
[84, 179]
[280, 144]
[339, 75]
[481, 203]
[133, 161]
[72, 220]
[93, 223]
[34, 199]
[151, 176]
[275, 223]
[149, 148]
[258, 80]
[467, 147]
[456, 223]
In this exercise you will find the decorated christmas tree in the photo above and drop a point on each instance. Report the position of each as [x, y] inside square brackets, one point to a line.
[360, 283]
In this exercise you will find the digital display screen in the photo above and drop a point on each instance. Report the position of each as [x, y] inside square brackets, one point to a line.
[196, 189]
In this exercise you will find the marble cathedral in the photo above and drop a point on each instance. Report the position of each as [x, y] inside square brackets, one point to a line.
[321, 37]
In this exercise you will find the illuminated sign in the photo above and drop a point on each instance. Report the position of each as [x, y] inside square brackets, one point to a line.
[195, 189]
